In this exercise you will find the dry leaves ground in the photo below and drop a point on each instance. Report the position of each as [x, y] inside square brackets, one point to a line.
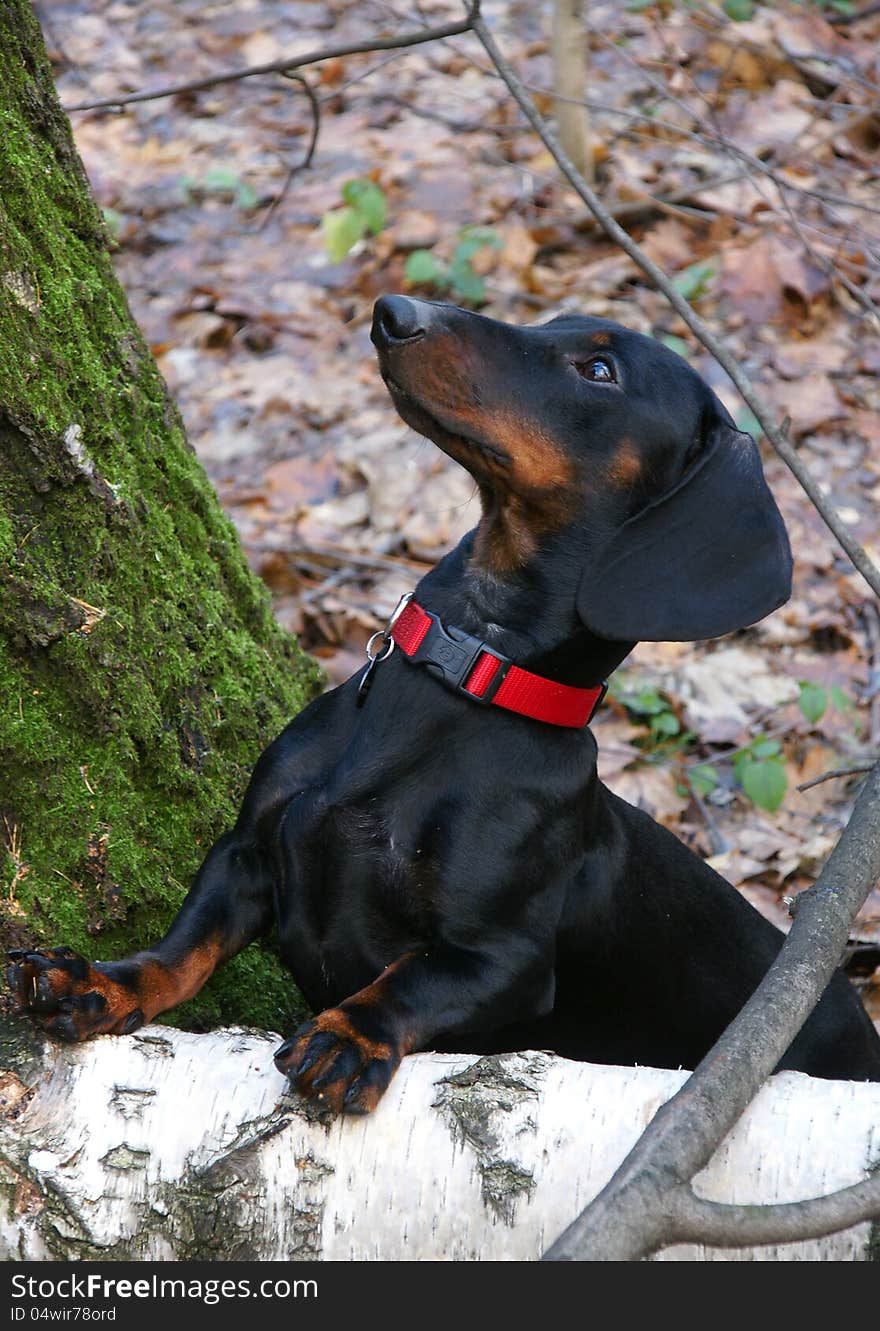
[744, 156]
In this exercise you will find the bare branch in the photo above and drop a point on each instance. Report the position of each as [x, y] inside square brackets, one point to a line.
[711, 141]
[306, 161]
[698, 326]
[871, 617]
[289, 63]
[697, 1220]
[338, 554]
[839, 771]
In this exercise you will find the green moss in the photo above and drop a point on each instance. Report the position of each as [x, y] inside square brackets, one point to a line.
[141, 671]
[7, 534]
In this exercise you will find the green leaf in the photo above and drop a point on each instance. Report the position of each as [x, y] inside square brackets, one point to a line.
[747, 421]
[762, 747]
[246, 197]
[646, 702]
[691, 282]
[473, 238]
[765, 782]
[739, 10]
[486, 235]
[466, 284]
[840, 699]
[676, 344]
[813, 701]
[423, 266]
[703, 778]
[664, 725]
[342, 229]
[219, 180]
[368, 201]
[113, 221]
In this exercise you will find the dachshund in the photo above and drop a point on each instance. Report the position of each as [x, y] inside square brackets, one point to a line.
[443, 866]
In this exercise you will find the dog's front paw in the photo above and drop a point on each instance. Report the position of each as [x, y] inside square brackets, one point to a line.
[69, 997]
[341, 1059]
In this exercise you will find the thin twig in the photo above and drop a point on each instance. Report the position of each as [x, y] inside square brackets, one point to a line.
[751, 163]
[288, 63]
[871, 617]
[839, 771]
[709, 141]
[306, 161]
[338, 554]
[827, 264]
[800, 59]
[718, 842]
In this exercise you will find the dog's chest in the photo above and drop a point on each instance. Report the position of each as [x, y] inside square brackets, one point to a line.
[375, 854]
[357, 891]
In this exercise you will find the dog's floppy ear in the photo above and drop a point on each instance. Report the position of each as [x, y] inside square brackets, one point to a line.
[709, 556]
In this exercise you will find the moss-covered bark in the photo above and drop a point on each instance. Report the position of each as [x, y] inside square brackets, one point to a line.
[141, 671]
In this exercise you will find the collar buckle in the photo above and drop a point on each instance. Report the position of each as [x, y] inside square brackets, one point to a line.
[450, 654]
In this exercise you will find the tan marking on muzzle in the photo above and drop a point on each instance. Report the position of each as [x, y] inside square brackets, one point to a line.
[625, 466]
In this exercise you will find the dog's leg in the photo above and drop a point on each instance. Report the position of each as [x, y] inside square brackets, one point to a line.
[346, 1056]
[229, 904]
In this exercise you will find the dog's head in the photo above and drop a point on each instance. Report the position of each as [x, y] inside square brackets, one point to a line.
[584, 432]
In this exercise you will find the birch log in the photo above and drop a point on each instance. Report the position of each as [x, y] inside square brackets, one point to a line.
[168, 1145]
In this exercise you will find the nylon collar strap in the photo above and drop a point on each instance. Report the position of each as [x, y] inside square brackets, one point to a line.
[467, 665]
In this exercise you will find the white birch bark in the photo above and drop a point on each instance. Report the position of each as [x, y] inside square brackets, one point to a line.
[168, 1145]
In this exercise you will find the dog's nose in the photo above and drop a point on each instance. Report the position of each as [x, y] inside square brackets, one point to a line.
[398, 319]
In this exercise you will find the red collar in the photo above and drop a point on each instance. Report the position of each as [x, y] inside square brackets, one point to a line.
[469, 666]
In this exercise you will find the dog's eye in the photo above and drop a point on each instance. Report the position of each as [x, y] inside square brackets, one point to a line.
[599, 370]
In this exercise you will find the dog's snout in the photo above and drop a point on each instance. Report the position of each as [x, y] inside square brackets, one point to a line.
[398, 319]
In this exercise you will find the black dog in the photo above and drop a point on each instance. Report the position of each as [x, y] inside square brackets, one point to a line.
[444, 868]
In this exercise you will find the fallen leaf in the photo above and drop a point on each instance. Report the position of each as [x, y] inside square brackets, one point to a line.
[759, 277]
[721, 689]
[794, 360]
[299, 481]
[652, 788]
[809, 402]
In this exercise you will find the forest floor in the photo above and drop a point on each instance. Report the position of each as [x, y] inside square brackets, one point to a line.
[743, 156]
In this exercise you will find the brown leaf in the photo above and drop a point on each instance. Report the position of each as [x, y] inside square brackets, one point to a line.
[760, 277]
[651, 788]
[300, 480]
[722, 689]
[518, 245]
[670, 244]
[794, 359]
[809, 402]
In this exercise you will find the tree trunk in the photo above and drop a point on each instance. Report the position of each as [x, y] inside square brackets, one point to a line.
[168, 1145]
[569, 48]
[141, 671]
